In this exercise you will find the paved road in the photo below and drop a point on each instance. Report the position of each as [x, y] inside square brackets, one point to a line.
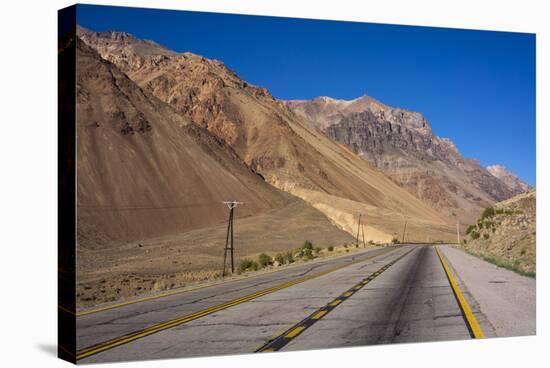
[506, 298]
[381, 296]
[98, 327]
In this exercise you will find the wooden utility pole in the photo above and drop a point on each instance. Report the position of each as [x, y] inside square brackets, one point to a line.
[358, 227]
[458, 233]
[229, 248]
[404, 230]
[363, 233]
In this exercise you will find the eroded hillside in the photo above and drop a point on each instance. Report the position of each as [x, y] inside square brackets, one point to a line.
[506, 234]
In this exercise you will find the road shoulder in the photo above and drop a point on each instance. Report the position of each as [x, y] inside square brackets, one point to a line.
[507, 299]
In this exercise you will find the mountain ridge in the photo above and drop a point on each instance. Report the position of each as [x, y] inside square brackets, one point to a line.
[273, 141]
[401, 143]
[507, 177]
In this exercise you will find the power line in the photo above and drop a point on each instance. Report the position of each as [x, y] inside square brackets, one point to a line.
[141, 208]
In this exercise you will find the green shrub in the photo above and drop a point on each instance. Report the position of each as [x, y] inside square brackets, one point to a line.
[330, 248]
[289, 257]
[265, 260]
[395, 241]
[317, 250]
[307, 245]
[486, 236]
[371, 242]
[488, 212]
[247, 265]
[470, 228]
[308, 254]
[280, 258]
[474, 234]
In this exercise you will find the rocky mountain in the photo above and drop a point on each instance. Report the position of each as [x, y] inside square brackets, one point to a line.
[145, 170]
[272, 141]
[512, 181]
[324, 111]
[150, 188]
[401, 144]
[506, 234]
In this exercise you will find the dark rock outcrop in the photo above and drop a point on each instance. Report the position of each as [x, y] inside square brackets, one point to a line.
[401, 144]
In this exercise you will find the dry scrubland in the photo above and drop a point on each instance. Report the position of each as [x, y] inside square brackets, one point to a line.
[506, 234]
[182, 266]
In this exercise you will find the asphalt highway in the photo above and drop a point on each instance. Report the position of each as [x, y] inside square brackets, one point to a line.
[410, 293]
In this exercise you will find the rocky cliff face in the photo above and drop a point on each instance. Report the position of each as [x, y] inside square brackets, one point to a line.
[512, 181]
[204, 90]
[401, 144]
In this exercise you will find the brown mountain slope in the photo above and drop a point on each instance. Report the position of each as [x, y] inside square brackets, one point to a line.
[150, 186]
[402, 145]
[273, 141]
[145, 170]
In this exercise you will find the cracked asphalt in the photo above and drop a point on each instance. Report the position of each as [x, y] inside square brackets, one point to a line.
[411, 301]
[98, 327]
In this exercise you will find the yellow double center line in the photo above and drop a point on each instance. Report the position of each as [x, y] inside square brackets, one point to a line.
[280, 341]
[471, 320]
[124, 339]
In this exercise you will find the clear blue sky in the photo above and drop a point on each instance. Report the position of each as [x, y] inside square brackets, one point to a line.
[475, 87]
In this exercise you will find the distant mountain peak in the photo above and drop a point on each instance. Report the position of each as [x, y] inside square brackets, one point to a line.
[401, 143]
[331, 100]
[111, 40]
[325, 111]
[114, 35]
[510, 179]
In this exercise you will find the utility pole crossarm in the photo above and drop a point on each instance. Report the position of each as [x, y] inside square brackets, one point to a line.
[232, 204]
